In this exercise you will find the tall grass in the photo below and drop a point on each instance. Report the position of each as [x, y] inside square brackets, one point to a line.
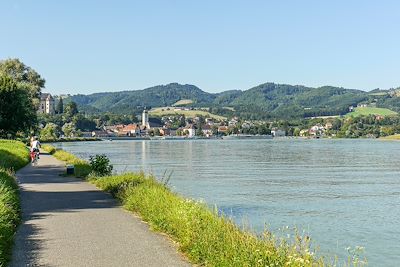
[82, 167]
[13, 155]
[206, 237]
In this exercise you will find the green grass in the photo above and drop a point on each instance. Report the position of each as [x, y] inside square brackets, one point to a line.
[13, 155]
[188, 113]
[207, 238]
[360, 111]
[379, 94]
[183, 102]
[82, 167]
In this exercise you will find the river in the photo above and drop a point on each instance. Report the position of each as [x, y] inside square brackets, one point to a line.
[343, 193]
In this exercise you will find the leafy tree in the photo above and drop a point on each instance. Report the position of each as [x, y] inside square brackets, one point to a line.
[17, 112]
[69, 129]
[71, 109]
[60, 106]
[199, 131]
[84, 124]
[50, 131]
[23, 74]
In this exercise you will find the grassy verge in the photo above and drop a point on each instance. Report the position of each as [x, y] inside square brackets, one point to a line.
[204, 236]
[13, 155]
[82, 167]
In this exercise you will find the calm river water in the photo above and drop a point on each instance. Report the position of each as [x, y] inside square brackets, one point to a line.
[343, 193]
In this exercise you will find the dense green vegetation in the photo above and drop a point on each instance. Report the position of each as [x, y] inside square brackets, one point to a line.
[131, 101]
[265, 101]
[72, 126]
[271, 100]
[19, 91]
[13, 155]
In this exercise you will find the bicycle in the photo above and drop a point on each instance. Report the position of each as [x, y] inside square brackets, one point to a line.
[34, 158]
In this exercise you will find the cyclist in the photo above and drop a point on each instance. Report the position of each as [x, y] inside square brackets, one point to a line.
[35, 145]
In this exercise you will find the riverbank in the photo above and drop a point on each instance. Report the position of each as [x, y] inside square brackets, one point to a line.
[206, 237]
[72, 139]
[391, 137]
[13, 156]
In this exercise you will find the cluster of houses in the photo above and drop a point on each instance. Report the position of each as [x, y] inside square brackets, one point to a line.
[317, 130]
[193, 127]
[147, 128]
[196, 126]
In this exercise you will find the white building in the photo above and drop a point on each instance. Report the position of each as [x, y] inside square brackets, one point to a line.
[145, 119]
[46, 105]
[191, 130]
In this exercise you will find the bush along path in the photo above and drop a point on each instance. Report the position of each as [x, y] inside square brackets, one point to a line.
[203, 235]
[13, 155]
[69, 222]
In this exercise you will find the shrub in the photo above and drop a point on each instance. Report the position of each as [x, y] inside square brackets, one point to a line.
[50, 149]
[100, 165]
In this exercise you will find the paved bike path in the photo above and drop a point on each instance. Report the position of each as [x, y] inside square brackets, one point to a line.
[69, 222]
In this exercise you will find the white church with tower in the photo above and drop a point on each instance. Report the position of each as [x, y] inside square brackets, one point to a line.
[145, 119]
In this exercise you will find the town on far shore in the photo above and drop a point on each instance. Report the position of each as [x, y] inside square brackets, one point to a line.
[68, 122]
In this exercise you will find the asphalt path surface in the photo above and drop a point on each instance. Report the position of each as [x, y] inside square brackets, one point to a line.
[69, 222]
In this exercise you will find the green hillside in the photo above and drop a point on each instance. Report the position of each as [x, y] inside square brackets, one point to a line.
[129, 101]
[284, 101]
[264, 101]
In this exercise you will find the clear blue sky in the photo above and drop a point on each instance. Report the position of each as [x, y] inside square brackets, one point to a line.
[93, 46]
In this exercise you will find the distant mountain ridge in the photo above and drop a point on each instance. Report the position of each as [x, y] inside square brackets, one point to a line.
[268, 100]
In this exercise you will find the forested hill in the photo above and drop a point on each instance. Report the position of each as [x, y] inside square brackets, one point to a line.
[128, 101]
[267, 100]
